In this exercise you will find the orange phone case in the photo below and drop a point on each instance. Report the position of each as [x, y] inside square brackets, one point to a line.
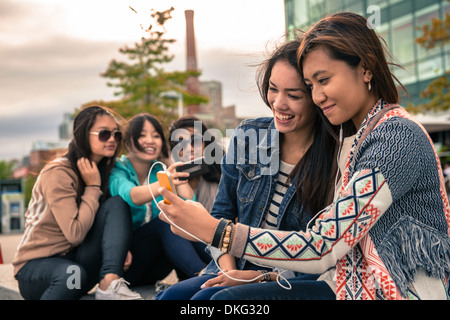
[166, 182]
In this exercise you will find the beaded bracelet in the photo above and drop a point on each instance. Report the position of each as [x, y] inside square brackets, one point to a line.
[225, 243]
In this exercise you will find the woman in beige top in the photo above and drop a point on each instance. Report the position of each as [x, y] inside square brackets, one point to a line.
[72, 238]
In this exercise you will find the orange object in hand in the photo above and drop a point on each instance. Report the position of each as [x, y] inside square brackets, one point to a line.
[165, 181]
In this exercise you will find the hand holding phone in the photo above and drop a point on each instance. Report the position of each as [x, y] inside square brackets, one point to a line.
[194, 168]
[165, 181]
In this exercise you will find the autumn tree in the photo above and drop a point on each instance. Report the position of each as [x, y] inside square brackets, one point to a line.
[140, 80]
[437, 93]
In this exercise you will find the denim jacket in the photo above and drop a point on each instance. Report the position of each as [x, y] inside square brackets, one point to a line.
[249, 175]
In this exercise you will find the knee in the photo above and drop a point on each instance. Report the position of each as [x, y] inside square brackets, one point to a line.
[224, 294]
[76, 278]
[116, 206]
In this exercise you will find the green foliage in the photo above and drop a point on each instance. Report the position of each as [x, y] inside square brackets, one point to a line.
[6, 168]
[437, 93]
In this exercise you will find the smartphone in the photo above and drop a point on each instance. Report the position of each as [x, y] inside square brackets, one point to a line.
[165, 181]
[195, 168]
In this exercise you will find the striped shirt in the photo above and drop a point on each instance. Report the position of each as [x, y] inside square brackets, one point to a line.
[270, 221]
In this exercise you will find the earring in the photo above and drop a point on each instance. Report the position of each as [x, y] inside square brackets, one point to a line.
[369, 86]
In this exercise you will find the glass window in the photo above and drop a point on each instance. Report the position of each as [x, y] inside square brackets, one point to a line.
[446, 10]
[405, 75]
[14, 208]
[424, 17]
[381, 3]
[316, 9]
[296, 16]
[430, 68]
[297, 13]
[357, 7]
[334, 5]
[395, 1]
[383, 32]
[447, 60]
[403, 39]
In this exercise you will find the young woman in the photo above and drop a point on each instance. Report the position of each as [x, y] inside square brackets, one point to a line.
[277, 173]
[73, 237]
[388, 229]
[188, 142]
[155, 249]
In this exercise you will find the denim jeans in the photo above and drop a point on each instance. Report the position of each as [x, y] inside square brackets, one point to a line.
[304, 287]
[103, 251]
[157, 250]
[189, 290]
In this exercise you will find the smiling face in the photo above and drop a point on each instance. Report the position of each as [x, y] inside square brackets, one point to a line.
[292, 108]
[150, 142]
[338, 89]
[101, 149]
[192, 146]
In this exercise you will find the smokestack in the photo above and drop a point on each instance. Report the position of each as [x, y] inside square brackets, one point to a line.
[192, 84]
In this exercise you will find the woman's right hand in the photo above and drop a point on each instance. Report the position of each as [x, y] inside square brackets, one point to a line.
[89, 172]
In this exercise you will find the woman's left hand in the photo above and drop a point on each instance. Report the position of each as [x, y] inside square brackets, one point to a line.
[188, 215]
[233, 278]
[175, 175]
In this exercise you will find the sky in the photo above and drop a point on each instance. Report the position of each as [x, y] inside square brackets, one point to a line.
[52, 53]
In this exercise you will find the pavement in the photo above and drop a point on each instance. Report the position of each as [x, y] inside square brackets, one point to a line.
[9, 289]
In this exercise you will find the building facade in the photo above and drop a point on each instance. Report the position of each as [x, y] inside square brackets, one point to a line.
[399, 23]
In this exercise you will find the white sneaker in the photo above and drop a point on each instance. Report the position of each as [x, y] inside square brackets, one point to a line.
[117, 290]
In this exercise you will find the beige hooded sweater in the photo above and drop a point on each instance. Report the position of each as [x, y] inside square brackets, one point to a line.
[55, 223]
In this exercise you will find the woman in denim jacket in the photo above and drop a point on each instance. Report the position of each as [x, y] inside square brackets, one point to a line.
[277, 172]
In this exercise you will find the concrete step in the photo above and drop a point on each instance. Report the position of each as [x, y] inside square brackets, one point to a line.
[9, 288]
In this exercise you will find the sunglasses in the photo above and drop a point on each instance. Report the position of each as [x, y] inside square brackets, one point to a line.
[104, 135]
[194, 140]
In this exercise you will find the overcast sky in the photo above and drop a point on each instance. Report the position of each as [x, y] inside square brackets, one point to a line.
[52, 52]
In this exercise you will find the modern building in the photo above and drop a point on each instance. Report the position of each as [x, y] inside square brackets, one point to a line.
[399, 24]
[66, 127]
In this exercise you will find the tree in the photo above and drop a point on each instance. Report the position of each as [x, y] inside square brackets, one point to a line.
[437, 92]
[141, 79]
[6, 169]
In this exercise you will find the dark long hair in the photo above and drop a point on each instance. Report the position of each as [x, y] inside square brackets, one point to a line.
[349, 38]
[188, 121]
[315, 172]
[79, 147]
[134, 129]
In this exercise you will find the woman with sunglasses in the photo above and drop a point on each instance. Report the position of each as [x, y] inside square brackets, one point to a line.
[74, 237]
[155, 249]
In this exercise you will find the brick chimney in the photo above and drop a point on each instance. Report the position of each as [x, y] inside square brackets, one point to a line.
[192, 83]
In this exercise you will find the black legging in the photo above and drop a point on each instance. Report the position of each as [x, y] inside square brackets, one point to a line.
[156, 251]
[103, 251]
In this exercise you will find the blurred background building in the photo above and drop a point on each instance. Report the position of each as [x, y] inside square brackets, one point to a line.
[400, 23]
